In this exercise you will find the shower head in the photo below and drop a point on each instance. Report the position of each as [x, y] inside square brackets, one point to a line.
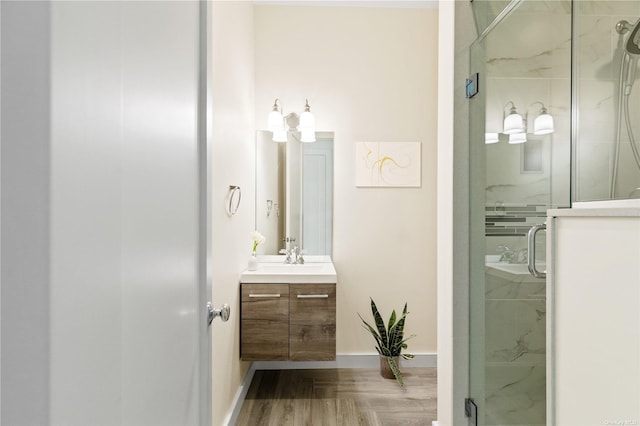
[632, 51]
[633, 42]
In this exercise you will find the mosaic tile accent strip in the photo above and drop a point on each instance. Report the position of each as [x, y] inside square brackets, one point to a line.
[515, 220]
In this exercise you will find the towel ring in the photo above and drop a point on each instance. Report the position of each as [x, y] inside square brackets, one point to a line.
[235, 195]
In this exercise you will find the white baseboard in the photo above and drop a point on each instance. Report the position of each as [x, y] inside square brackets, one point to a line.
[342, 361]
[346, 361]
[238, 399]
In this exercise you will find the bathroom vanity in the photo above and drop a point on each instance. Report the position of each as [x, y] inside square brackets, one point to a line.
[594, 315]
[288, 311]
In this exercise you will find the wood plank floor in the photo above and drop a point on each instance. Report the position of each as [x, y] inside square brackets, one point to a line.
[339, 397]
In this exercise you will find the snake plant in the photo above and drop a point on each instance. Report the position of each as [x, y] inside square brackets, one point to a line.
[389, 339]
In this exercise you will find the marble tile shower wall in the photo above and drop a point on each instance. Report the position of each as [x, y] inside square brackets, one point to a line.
[598, 70]
[515, 369]
[528, 60]
[515, 321]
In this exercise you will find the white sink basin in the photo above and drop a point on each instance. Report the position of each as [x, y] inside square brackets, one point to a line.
[321, 273]
[515, 268]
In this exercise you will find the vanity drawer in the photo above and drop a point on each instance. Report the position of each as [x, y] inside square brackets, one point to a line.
[264, 324]
[265, 301]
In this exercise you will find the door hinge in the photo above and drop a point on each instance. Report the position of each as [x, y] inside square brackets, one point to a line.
[471, 411]
[471, 86]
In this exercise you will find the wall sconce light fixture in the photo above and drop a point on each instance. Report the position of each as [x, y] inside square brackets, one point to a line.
[513, 123]
[280, 125]
[275, 121]
[515, 138]
[515, 126]
[491, 138]
[543, 124]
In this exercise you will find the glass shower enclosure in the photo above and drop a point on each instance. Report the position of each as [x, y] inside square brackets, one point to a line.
[606, 104]
[575, 61]
[520, 167]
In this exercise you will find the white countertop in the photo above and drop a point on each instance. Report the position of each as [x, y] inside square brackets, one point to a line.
[604, 208]
[609, 204]
[279, 258]
[272, 269]
[595, 212]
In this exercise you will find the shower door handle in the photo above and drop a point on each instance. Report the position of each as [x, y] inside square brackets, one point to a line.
[223, 312]
[531, 250]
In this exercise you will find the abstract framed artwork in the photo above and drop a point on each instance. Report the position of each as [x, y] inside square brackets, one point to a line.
[388, 164]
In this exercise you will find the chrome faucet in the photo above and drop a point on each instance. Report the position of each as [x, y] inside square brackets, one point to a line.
[293, 256]
[520, 256]
[506, 254]
[287, 253]
[512, 256]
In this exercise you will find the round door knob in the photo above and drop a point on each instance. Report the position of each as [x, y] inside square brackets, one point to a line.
[224, 312]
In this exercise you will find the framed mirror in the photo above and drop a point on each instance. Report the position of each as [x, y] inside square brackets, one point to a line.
[294, 193]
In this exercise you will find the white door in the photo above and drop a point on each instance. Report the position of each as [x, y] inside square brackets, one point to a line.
[317, 197]
[126, 339]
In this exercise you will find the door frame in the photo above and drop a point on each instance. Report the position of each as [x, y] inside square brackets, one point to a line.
[204, 211]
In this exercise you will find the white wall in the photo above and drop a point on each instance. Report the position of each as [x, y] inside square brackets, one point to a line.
[445, 246]
[233, 156]
[370, 74]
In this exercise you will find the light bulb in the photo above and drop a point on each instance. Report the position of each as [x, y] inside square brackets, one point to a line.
[513, 123]
[516, 138]
[307, 136]
[275, 121]
[307, 120]
[543, 124]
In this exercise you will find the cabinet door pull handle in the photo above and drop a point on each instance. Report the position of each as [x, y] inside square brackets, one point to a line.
[313, 296]
[263, 296]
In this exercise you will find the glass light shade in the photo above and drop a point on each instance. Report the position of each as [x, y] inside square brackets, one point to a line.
[307, 136]
[515, 138]
[543, 125]
[513, 123]
[491, 138]
[280, 135]
[275, 122]
[307, 122]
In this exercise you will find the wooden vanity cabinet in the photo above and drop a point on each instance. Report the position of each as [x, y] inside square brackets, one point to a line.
[312, 322]
[264, 323]
[294, 322]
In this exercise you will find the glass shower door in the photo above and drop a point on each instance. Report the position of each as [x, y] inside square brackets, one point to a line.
[518, 171]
